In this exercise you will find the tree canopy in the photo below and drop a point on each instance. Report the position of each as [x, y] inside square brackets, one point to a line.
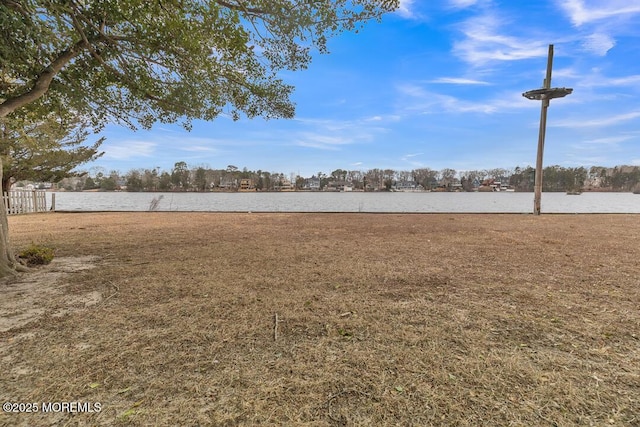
[44, 147]
[138, 61]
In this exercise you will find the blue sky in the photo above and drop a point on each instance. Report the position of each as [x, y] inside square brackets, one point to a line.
[437, 84]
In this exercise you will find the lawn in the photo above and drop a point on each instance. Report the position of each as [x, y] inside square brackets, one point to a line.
[326, 319]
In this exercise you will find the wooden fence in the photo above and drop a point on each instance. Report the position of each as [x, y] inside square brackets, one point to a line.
[26, 201]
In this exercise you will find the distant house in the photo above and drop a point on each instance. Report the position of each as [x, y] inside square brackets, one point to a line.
[487, 185]
[338, 185]
[408, 186]
[246, 184]
[283, 185]
[228, 183]
[493, 185]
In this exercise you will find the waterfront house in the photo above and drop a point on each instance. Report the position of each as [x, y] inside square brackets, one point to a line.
[312, 184]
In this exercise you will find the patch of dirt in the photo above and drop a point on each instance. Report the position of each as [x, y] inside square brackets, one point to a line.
[41, 292]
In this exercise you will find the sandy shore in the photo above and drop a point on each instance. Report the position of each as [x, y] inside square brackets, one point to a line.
[326, 319]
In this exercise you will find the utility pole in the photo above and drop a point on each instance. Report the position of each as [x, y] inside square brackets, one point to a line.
[546, 84]
[545, 95]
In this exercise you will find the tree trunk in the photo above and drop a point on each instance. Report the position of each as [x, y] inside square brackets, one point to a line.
[6, 183]
[8, 264]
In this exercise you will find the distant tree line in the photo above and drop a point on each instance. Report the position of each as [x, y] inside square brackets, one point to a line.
[182, 177]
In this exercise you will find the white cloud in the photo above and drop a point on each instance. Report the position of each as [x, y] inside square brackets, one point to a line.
[582, 12]
[128, 149]
[412, 90]
[608, 140]
[411, 160]
[323, 142]
[405, 9]
[565, 73]
[598, 44]
[600, 81]
[623, 81]
[455, 105]
[417, 100]
[458, 81]
[600, 122]
[198, 148]
[333, 134]
[385, 118]
[461, 4]
[483, 43]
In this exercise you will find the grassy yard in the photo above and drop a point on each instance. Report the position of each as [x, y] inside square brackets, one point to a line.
[326, 320]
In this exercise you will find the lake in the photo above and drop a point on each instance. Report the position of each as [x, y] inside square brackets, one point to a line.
[398, 202]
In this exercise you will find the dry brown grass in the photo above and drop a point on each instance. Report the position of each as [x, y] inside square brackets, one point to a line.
[460, 320]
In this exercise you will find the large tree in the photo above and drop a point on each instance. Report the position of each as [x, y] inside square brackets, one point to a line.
[43, 147]
[141, 61]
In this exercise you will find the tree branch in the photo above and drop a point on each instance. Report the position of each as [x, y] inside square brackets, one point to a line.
[43, 81]
[242, 8]
[17, 7]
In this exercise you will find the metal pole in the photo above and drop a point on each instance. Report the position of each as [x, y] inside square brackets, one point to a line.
[541, 136]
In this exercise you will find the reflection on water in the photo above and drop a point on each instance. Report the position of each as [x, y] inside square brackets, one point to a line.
[350, 202]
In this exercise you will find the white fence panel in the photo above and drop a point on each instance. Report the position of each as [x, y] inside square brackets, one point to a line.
[24, 201]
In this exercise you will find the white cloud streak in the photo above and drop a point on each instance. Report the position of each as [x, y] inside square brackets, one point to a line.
[462, 4]
[458, 81]
[581, 12]
[198, 149]
[599, 44]
[406, 9]
[483, 43]
[129, 149]
[600, 122]
[323, 142]
[334, 134]
[417, 100]
[601, 81]
[611, 140]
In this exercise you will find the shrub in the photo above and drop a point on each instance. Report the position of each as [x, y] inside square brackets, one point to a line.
[37, 255]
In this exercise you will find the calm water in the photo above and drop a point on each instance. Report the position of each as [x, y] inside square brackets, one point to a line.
[351, 202]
